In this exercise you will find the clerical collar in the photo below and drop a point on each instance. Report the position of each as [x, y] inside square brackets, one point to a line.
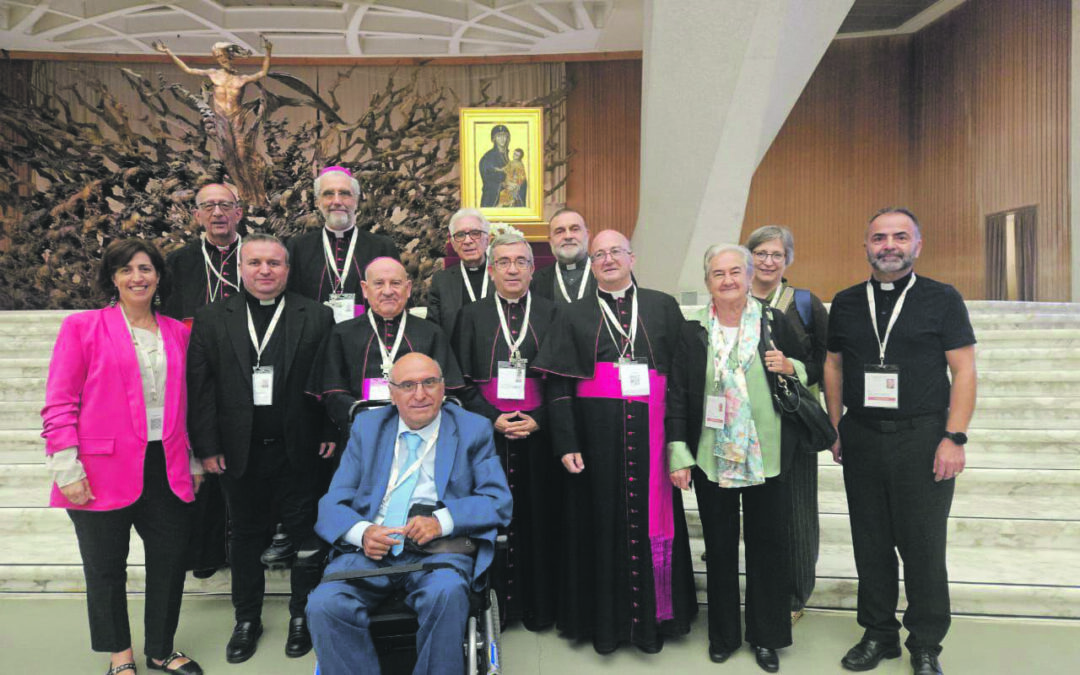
[473, 270]
[619, 294]
[383, 320]
[512, 301]
[898, 285]
[341, 233]
[258, 302]
[211, 246]
[570, 267]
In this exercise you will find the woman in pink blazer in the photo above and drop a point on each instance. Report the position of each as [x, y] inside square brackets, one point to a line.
[117, 445]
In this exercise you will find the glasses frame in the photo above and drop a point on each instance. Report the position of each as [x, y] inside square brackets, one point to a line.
[409, 386]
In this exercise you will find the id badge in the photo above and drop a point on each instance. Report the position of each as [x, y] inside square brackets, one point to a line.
[378, 389]
[881, 386]
[262, 384]
[155, 423]
[343, 305]
[511, 385]
[634, 378]
[715, 410]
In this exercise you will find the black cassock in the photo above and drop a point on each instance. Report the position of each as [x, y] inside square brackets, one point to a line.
[309, 275]
[544, 282]
[526, 577]
[627, 574]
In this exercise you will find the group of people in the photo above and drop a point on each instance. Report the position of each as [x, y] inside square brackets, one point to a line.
[291, 382]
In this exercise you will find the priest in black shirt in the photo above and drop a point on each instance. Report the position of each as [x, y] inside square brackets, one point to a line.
[627, 575]
[356, 358]
[569, 279]
[328, 263]
[496, 340]
[452, 289]
[893, 341]
[251, 423]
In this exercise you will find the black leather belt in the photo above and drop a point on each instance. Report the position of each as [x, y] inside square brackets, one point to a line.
[892, 426]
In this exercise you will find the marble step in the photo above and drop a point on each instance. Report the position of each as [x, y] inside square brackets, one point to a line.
[45, 323]
[21, 446]
[24, 367]
[1010, 322]
[1030, 412]
[1043, 338]
[29, 389]
[996, 383]
[20, 415]
[1029, 359]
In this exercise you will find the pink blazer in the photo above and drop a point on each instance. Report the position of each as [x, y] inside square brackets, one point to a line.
[94, 401]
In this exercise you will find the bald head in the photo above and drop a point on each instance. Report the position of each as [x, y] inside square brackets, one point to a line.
[217, 211]
[386, 287]
[612, 260]
[419, 372]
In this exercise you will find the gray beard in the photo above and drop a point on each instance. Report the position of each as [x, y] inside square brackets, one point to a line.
[336, 220]
[577, 257]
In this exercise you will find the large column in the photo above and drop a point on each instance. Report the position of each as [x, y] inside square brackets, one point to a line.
[719, 79]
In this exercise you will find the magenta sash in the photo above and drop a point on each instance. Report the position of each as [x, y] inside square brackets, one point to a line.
[605, 384]
[365, 389]
[534, 395]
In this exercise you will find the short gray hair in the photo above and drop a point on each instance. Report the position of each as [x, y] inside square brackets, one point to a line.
[717, 249]
[508, 239]
[318, 183]
[468, 213]
[256, 237]
[770, 232]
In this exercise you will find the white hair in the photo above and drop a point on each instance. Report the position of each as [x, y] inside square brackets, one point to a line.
[355, 183]
[717, 249]
[468, 213]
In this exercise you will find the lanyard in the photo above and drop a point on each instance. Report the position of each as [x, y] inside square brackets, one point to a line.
[388, 355]
[720, 346]
[562, 284]
[468, 286]
[514, 346]
[610, 319]
[892, 319]
[396, 479]
[146, 366]
[776, 296]
[269, 331]
[215, 288]
[339, 275]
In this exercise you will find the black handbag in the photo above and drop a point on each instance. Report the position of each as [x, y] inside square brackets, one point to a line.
[796, 403]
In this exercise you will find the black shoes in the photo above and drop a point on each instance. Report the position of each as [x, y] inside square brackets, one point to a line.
[719, 655]
[868, 653]
[299, 641]
[767, 659]
[925, 663]
[280, 553]
[189, 668]
[244, 640]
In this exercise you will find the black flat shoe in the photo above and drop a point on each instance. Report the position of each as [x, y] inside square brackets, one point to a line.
[122, 668]
[868, 653]
[925, 663]
[244, 640]
[189, 668]
[719, 655]
[767, 659]
[299, 641]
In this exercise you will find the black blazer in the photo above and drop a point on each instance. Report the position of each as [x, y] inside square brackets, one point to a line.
[544, 283]
[220, 399]
[686, 385]
[447, 296]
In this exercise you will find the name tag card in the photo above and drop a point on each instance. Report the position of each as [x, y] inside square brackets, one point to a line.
[378, 389]
[343, 305]
[262, 385]
[634, 377]
[881, 386]
[155, 423]
[715, 411]
[511, 385]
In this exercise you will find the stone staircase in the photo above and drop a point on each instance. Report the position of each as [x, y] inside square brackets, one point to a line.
[1014, 540]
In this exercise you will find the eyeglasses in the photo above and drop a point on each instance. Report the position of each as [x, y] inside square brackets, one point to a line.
[208, 207]
[613, 252]
[409, 386]
[776, 257]
[475, 235]
[503, 264]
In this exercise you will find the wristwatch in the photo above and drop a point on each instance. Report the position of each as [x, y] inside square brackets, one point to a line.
[958, 437]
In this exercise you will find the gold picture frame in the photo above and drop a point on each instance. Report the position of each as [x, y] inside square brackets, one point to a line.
[506, 182]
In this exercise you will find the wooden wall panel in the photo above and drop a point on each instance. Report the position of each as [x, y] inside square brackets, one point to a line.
[966, 118]
[603, 115]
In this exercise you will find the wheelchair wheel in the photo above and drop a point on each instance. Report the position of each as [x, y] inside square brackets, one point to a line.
[472, 647]
[491, 661]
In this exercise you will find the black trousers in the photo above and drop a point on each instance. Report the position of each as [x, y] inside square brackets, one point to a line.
[270, 488]
[895, 505]
[766, 511]
[163, 521]
[805, 528]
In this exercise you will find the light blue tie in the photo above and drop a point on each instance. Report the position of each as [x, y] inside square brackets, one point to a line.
[397, 510]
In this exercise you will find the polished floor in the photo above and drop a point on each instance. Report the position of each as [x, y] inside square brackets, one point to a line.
[48, 634]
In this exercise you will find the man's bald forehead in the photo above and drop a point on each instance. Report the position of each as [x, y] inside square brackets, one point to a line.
[413, 361]
[610, 237]
[384, 263]
[219, 186]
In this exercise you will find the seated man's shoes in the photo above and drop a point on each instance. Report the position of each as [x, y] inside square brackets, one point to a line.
[767, 659]
[925, 663]
[244, 640]
[299, 641]
[868, 653]
[189, 668]
[717, 655]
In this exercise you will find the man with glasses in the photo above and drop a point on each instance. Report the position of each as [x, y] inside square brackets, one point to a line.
[412, 474]
[453, 288]
[569, 279]
[627, 574]
[328, 263]
[355, 361]
[496, 340]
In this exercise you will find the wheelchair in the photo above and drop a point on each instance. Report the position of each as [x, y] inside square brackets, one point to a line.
[393, 624]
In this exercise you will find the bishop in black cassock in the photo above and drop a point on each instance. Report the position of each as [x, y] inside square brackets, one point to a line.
[627, 574]
[526, 576]
[570, 278]
[453, 288]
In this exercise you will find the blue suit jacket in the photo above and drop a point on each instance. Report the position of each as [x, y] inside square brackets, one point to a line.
[469, 478]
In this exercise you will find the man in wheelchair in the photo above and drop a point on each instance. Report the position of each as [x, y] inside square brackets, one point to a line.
[402, 462]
